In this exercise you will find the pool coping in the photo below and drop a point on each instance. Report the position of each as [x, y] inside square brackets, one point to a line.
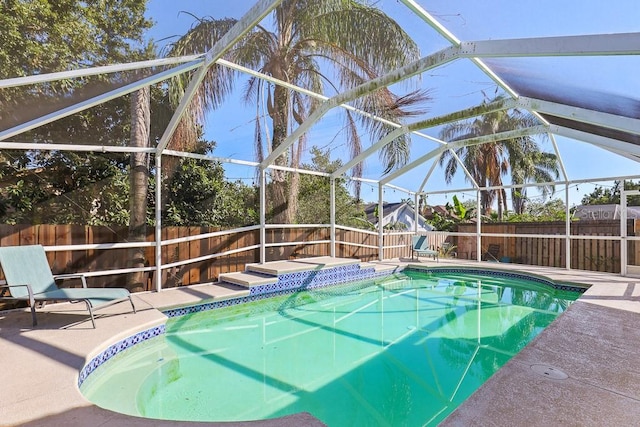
[42, 389]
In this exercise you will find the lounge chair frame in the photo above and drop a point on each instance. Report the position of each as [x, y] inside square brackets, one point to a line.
[53, 293]
[420, 246]
[492, 252]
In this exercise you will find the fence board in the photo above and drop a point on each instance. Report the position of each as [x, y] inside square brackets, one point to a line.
[586, 254]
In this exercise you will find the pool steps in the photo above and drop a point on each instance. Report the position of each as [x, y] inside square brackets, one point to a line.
[247, 279]
[268, 273]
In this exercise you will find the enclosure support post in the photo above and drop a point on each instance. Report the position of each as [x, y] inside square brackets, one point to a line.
[263, 208]
[332, 216]
[416, 214]
[380, 225]
[624, 257]
[567, 231]
[628, 258]
[158, 229]
[478, 228]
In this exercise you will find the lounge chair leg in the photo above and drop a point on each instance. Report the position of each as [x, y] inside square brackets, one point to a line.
[32, 304]
[33, 315]
[93, 322]
[133, 306]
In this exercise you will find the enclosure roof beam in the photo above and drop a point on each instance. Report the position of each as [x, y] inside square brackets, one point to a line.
[397, 187]
[464, 168]
[105, 69]
[611, 121]
[100, 99]
[257, 12]
[367, 180]
[449, 36]
[410, 166]
[15, 145]
[209, 158]
[626, 149]
[308, 92]
[504, 104]
[428, 62]
[429, 173]
[461, 143]
[582, 45]
[468, 113]
[460, 162]
[238, 162]
[374, 148]
[556, 150]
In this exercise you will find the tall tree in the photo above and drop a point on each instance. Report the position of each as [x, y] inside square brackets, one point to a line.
[488, 163]
[139, 183]
[314, 199]
[38, 37]
[605, 196]
[529, 164]
[309, 38]
[198, 194]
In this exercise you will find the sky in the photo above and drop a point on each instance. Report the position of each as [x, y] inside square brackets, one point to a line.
[454, 86]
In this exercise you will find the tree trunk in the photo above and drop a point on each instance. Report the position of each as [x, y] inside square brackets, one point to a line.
[294, 184]
[139, 181]
[279, 191]
[519, 199]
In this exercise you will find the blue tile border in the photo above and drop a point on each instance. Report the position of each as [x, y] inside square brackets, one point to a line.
[289, 283]
[501, 273]
[117, 348]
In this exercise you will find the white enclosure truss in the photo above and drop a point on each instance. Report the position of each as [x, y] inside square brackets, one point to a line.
[609, 125]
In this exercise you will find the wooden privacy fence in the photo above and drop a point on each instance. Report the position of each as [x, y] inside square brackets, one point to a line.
[350, 243]
[586, 253]
[300, 242]
[89, 260]
[306, 242]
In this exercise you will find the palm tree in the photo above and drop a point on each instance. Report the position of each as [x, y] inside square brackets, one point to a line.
[309, 38]
[489, 162]
[529, 164]
[139, 180]
[486, 163]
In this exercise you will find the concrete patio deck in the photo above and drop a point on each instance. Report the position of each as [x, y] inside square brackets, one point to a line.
[594, 343]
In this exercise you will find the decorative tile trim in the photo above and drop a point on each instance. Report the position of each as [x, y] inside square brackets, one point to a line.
[571, 287]
[116, 348]
[289, 283]
[501, 273]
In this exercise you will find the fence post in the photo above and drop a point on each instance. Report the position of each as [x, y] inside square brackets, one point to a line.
[158, 230]
[478, 228]
[263, 207]
[380, 225]
[332, 217]
[567, 258]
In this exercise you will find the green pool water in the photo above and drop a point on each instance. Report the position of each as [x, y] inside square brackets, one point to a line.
[403, 351]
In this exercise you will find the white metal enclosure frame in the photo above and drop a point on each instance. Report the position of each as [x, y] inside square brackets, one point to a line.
[612, 132]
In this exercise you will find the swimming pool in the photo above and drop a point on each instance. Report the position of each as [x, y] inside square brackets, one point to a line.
[403, 350]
